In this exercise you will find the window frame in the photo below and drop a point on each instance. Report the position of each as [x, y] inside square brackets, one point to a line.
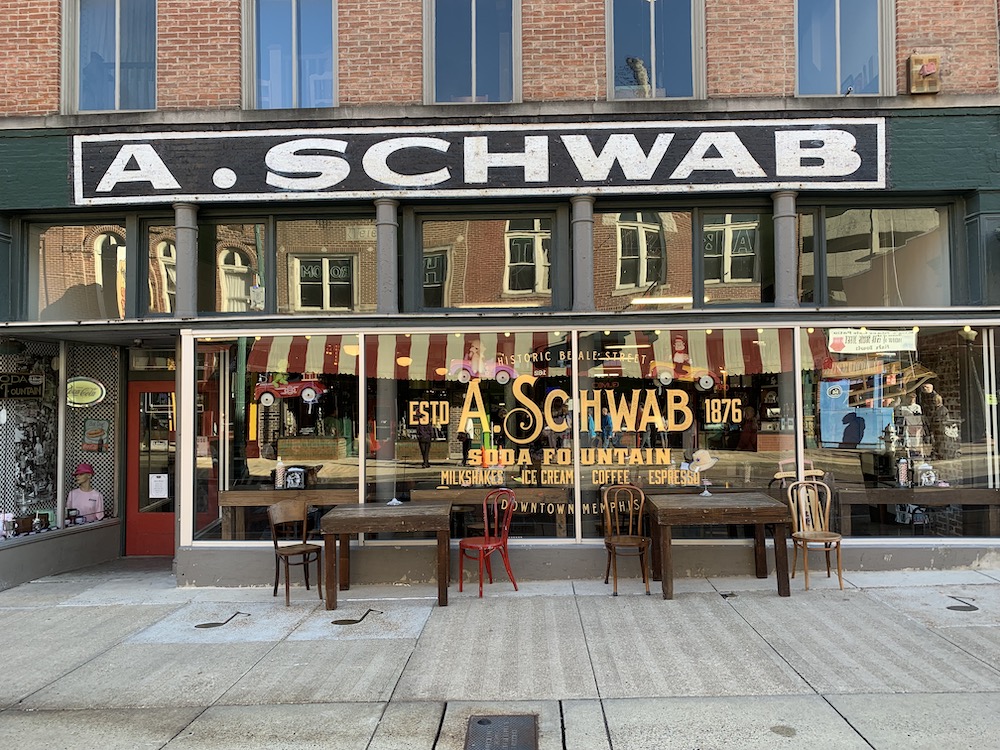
[728, 229]
[699, 74]
[250, 58]
[71, 71]
[642, 228]
[541, 260]
[886, 28]
[294, 261]
[430, 53]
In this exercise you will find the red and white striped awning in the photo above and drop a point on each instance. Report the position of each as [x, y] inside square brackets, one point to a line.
[439, 356]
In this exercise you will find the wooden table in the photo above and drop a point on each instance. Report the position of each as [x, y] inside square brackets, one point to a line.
[755, 508]
[233, 504]
[371, 518]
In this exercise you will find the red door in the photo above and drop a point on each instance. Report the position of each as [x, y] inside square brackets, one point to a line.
[150, 517]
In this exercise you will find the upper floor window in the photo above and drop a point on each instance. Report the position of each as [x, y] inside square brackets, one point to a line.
[475, 45]
[737, 258]
[640, 250]
[653, 48]
[116, 55]
[839, 47]
[293, 53]
[324, 283]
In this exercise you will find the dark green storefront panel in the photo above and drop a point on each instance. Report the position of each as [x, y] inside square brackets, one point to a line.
[35, 171]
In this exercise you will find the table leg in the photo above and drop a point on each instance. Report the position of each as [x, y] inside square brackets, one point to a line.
[657, 562]
[781, 559]
[444, 566]
[228, 523]
[330, 551]
[759, 551]
[345, 562]
[667, 572]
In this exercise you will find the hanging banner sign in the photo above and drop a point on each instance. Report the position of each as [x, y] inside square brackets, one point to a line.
[866, 341]
[22, 385]
[462, 161]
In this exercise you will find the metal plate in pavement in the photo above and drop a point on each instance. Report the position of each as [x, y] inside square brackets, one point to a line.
[515, 732]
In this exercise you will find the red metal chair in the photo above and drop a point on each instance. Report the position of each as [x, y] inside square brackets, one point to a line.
[498, 511]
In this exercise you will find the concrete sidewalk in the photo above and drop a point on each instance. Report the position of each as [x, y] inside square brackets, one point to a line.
[110, 657]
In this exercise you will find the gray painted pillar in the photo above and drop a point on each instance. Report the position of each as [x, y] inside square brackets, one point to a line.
[786, 253]
[387, 242]
[186, 228]
[582, 222]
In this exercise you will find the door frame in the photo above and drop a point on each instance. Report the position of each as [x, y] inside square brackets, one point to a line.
[146, 534]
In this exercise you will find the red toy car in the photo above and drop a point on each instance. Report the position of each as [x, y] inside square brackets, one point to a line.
[308, 390]
[465, 371]
[667, 372]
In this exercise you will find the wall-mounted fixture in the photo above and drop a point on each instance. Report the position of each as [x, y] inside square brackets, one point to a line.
[924, 74]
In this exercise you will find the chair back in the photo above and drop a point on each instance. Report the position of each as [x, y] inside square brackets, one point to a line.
[289, 521]
[623, 510]
[809, 501]
[498, 512]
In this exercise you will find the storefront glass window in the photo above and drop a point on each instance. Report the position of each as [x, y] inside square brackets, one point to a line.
[503, 261]
[642, 260]
[273, 410]
[895, 257]
[231, 260]
[896, 419]
[326, 265]
[737, 257]
[77, 272]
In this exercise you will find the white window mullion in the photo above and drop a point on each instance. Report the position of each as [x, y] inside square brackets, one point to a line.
[652, 50]
[473, 61]
[118, 54]
[295, 53]
[836, 26]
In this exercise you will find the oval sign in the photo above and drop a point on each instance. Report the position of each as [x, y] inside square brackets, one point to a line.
[84, 392]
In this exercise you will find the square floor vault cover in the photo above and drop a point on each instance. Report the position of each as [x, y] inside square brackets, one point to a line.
[517, 732]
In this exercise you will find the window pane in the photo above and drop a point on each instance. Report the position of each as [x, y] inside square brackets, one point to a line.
[673, 75]
[347, 245]
[77, 272]
[738, 258]
[311, 282]
[162, 269]
[489, 263]
[817, 35]
[632, 51]
[859, 58]
[274, 54]
[494, 79]
[888, 257]
[652, 65]
[138, 51]
[97, 54]
[230, 267]
[435, 277]
[453, 50]
[315, 26]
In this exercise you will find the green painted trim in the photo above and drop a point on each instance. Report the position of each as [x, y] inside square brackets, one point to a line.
[945, 152]
[35, 171]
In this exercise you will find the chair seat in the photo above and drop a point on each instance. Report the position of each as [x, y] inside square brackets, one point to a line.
[817, 536]
[478, 542]
[298, 549]
[628, 541]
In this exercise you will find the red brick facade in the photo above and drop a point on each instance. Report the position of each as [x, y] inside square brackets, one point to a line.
[750, 51]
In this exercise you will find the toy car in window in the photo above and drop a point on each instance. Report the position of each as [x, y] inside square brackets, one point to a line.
[667, 372]
[308, 390]
[490, 369]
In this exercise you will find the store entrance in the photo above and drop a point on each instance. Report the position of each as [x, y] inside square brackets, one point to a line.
[149, 504]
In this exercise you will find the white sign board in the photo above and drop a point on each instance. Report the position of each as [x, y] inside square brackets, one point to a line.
[865, 341]
[158, 486]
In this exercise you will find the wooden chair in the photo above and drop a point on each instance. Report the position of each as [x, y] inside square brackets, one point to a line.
[809, 501]
[623, 515]
[498, 511]
[289, 521]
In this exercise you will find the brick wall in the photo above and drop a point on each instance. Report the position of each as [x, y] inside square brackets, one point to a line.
[750, 48]
[198, 45]
[29, 57]
[563, 50]
[963, 32]
[381, 51]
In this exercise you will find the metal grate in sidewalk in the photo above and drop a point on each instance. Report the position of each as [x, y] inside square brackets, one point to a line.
[515, 732]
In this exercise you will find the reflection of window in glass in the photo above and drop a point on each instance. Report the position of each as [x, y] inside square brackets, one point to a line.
[730, 247]
[109, 274]
[435, 278]
[473, 50]
[887, 257]
[324, 283]
[838, 47]
[294, 43]
[230, 267]
[640, 250]
[653, 49]
[163, 279]
[528, 243]
[116, 54]
[236, 277]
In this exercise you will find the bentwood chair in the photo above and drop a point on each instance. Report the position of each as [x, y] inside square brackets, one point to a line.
[289, 521]
[498, 512]
[809, 501]
[623, 515]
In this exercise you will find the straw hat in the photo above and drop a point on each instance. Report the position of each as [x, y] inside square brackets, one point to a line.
[702, 461]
